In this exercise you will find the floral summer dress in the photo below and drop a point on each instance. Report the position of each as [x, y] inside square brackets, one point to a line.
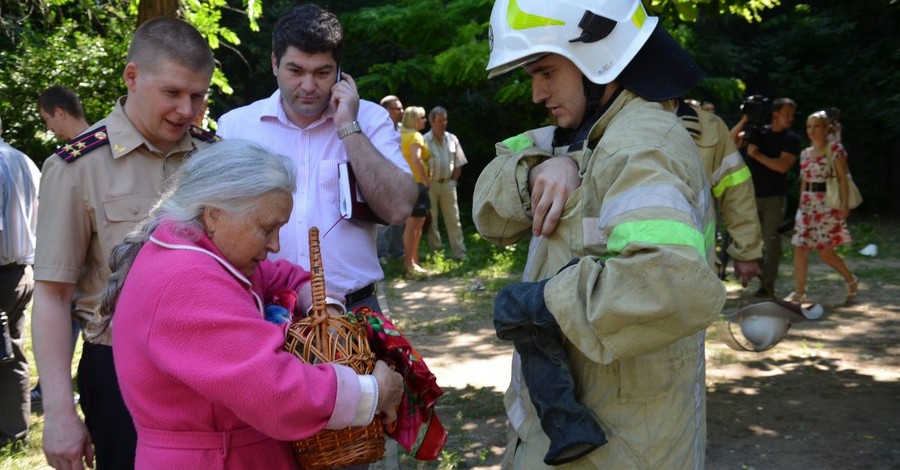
[816, 225]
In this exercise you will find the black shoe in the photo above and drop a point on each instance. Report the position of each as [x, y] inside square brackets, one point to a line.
[764, 293]
[36, 396]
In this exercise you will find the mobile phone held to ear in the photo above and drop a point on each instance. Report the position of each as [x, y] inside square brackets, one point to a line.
[339, 74]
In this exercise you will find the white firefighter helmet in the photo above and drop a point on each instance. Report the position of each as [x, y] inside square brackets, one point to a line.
[764, 324]
[606, 39]
[612, 31]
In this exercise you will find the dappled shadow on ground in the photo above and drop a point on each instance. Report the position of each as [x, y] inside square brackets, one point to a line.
[450, 321]
[801, 413]
[827, 396]
[868, 326]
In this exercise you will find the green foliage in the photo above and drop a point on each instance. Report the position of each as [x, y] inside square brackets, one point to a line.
[434, 52]
[691, 10]
[41, 59]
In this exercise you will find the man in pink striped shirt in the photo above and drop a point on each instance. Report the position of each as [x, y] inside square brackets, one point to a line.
[317, 119]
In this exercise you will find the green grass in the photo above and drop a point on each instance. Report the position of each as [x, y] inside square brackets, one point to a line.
[484, 260]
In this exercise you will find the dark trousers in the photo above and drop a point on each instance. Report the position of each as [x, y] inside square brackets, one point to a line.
[16, 288]
[106, 416]
[521, 316]
[389, 240]
[370, 301]
[771, 212]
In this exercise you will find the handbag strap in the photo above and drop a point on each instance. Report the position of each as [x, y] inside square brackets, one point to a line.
[829, 155]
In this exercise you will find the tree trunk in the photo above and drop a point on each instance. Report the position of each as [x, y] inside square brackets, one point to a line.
[148, 9]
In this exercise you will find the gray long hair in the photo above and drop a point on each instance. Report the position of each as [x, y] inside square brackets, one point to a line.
[230, 175]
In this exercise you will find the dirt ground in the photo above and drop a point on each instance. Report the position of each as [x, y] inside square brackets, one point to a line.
[826, 397]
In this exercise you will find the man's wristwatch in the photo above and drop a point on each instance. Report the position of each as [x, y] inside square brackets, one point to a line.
[351, 128]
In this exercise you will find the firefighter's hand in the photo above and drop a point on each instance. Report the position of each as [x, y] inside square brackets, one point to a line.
[551, 182]
[744, 271]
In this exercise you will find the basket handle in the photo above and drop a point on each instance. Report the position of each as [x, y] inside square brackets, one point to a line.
[317, 281]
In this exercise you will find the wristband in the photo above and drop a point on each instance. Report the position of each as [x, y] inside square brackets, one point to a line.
[351, 128]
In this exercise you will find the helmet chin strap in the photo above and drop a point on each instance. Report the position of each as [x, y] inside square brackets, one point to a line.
[593, 94]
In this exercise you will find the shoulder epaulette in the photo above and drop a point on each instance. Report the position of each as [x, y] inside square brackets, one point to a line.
[83, 144]
[204, 135]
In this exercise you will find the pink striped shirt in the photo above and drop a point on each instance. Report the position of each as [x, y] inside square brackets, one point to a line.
[348, 250]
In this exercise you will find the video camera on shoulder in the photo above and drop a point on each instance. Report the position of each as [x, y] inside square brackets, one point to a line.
[758, 109]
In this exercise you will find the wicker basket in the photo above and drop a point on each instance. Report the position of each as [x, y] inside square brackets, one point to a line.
[322, 338]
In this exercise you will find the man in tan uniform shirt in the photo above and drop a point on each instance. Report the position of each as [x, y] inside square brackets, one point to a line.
[99, 186]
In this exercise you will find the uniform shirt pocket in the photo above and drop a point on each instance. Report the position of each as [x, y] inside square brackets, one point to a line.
[128, 208]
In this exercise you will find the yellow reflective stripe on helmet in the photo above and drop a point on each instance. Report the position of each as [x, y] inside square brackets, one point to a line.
[639, 16]
[518, 19]
[731, 180]
[518, 143]
[656, 232]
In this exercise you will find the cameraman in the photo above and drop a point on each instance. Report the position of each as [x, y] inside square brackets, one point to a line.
[769, 156]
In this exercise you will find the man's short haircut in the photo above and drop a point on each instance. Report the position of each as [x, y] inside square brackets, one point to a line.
[435, 111]
[782, 102]
[58, 96]
[388, 100]
[172, 40]
[310, 29]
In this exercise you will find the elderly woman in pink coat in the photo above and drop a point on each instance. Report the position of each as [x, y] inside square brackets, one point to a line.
[202, 373]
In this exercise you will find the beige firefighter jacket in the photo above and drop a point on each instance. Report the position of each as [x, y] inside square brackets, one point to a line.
[731, 184]
[635, 307]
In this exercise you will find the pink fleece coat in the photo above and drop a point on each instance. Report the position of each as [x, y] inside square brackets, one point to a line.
[204, 375]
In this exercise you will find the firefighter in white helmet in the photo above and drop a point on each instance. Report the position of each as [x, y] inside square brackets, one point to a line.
[619, 271]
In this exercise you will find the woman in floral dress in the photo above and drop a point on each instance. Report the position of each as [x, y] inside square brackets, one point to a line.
[817, 226]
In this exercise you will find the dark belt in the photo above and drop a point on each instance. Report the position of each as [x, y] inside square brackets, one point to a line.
[360, 295]
[815, 187]
[442, 181]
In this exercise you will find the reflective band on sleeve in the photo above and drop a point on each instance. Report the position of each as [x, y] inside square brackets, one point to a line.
[709, 235]
[663, 195]
[656, 232]
[518, 143]
[730, 162]
[731, 180]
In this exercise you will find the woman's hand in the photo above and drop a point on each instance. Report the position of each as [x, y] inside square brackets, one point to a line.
[845, 211]
[390, 390]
